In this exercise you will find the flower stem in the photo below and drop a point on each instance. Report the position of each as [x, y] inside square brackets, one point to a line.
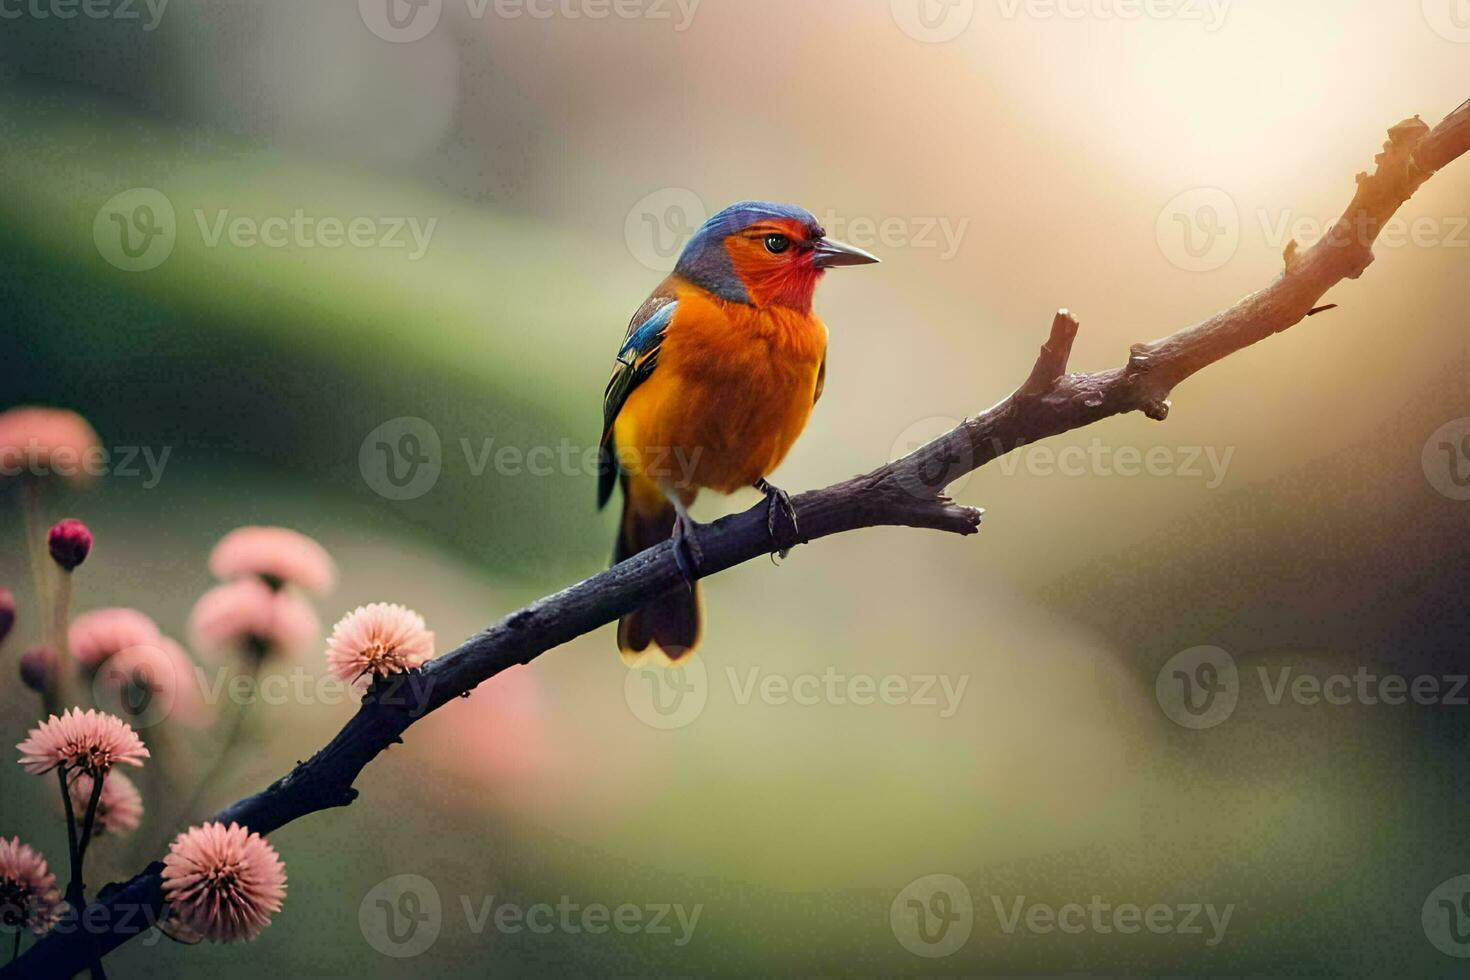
[76, 890]
[90, 822]
[57, 606]
[74, 886]
[30, 506]
[58, 692]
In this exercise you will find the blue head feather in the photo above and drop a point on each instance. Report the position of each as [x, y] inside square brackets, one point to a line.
[704, 260]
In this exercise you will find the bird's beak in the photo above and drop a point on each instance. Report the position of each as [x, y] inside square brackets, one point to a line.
[826, 253]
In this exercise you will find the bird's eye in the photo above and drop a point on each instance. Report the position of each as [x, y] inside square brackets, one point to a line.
[776, 244]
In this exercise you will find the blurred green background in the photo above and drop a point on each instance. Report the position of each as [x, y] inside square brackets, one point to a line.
[1004, 161]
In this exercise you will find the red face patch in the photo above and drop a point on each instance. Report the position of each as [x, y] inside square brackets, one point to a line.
[773, 258]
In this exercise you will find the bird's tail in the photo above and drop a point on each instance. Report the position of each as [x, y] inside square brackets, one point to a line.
[671, 622]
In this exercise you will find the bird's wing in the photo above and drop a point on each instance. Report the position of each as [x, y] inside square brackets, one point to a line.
[636, 361]
[821, 380]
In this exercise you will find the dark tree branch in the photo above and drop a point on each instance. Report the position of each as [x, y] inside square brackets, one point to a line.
[906, 492]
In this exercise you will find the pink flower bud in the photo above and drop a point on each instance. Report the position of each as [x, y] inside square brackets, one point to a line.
[38, 669]
[7, 613]
[70, 543]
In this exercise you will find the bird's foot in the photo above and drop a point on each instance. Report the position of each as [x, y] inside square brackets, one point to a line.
[778, 502]
[687, 552]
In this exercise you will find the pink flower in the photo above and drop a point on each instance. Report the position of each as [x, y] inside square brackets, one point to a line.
[248, 615]
[70, 542]
[94, 636]
[382, 639]
[222, 882]
[277, 555]
[91, 742]
[154, 681]
[45, 441]
[119, 808]
[28, 895]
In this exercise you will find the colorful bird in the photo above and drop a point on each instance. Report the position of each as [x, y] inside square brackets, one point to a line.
[714, 382]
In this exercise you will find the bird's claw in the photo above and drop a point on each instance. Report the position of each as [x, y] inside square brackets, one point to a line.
[778, 501]
[687, 553]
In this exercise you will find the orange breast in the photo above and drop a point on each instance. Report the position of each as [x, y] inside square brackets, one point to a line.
[732, 391]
